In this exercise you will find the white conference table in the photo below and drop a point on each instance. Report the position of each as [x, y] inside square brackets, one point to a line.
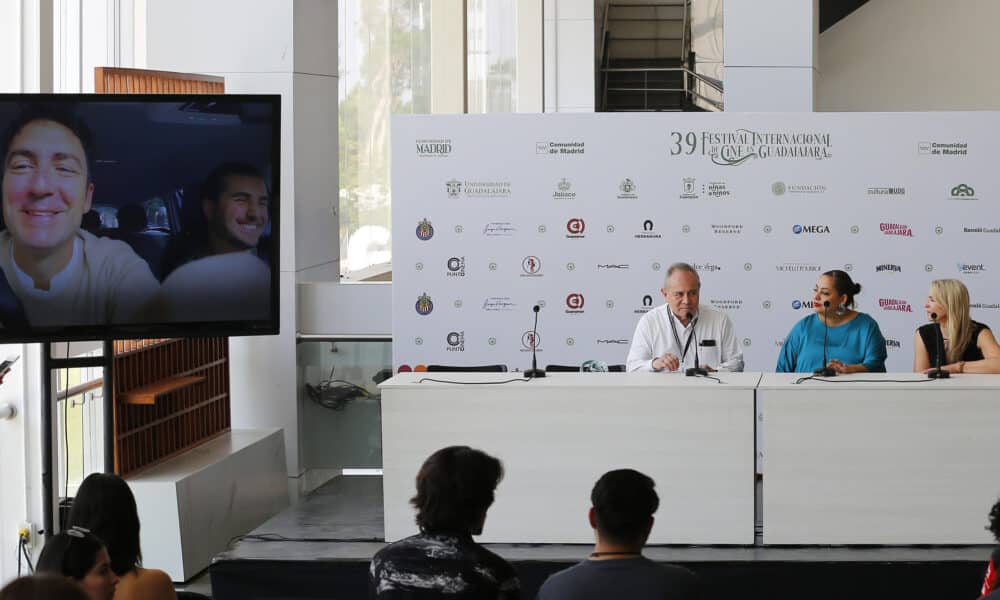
[864, 460]
[557, 435]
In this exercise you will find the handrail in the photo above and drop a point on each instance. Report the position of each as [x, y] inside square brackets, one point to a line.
[706, 80]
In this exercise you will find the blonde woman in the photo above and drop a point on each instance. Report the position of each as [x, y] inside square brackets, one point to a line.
[969, 346]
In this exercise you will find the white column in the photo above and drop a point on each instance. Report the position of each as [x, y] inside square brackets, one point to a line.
[770, 55]
[568, 56]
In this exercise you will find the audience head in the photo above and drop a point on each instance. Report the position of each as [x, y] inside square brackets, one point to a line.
[104, 505]
[994, 526]
[454, 489]
[235, 201]
[80, 555]
[42, 587]
[841, 290]
[623, 505]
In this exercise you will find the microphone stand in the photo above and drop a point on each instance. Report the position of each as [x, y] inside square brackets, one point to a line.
[825, 371]
[696, 370]
[938, 372]
[534, 372]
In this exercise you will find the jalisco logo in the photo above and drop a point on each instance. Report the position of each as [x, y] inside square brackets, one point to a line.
[971, 269]
[560, 147]
[499, 229]
[943, 148]
[731, 148]
[499, 304]
[531, 340]
[425, 230]
[456, 266]
[424, 305]
[897, 229]
[727, 229]
[887, 267]
[456, 341]
[647, 232]
[563, 190]
[797, 304]
[436, 148]
[963, 191]
[797, 268]
[627, 190]
[980, 229]
[574, 303]
[886, 191]
[575, 228]
[798, 229]
[895, 304]
[892, 344]
[531, 266]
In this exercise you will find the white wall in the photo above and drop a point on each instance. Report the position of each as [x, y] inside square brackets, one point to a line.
[912, 55]
[568, 56]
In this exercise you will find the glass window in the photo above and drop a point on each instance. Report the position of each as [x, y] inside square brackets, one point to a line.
[492, 41]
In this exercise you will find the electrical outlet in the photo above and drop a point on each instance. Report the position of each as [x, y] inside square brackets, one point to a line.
[28, 532]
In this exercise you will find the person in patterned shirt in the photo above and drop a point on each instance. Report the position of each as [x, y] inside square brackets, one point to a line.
[455, 488]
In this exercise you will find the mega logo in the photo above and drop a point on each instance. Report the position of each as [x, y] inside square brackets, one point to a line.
[574, 303]
[799, 304]
[895, 304]
[575, 228]
[425, 230]
[530, 340]
[798, 229]
[532, 266]
[424, 305]
[896, 229]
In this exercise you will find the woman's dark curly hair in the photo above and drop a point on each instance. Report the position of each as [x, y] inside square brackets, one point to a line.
[994, 525]
[454, 488]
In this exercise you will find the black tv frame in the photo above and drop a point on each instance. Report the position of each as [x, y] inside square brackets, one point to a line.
[185, 329]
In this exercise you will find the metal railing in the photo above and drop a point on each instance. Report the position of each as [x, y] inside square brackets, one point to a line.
[687, 89]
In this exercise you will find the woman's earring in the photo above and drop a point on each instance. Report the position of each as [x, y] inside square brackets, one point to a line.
[841, 310]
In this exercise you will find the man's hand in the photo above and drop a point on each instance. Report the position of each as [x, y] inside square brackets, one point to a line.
[668, 361]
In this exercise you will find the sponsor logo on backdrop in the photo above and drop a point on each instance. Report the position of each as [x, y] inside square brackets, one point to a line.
[888, 268]
[943, 148]
[575, 229]
[886, 191]
[574, 304]
[971, 269]
[531, 339]
[892, 344]
[613, 266]
[648, 232]
[791, 267]
[499, 304]
[425, 230]
[499, 229]
[456, 341]
[716, 189]
[727, 229]
[780, 188]
[726, 304]
[799, 304]
[706, 267]
[531, 266]
[424, 305]
[456, 266]
[897, 229]
[560, 147]
[980, 229]
[962, 191]
[985, 305]
[646, 306]
[627, 190]
[732, 148]
[800, 229]
[453, 187]
[564, 190]
[779, 343]
[478, 189]
[689, 189]
[434, 148]
[895, 304]
[618, 342]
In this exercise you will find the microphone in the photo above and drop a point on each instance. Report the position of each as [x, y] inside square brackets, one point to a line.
[534, 371]
[696, 370]
[938, 372]
[825, 371]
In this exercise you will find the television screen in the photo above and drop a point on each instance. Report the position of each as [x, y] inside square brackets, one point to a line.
[138, 216]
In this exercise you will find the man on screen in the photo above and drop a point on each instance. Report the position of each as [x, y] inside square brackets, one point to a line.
[672, 335]
[62, 274]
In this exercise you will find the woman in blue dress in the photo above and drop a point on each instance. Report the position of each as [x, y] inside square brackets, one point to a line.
[854, 342]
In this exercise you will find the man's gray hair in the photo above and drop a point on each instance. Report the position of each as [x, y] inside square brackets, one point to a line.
[681, 266]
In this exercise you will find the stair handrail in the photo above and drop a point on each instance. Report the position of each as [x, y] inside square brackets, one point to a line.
[605, 57]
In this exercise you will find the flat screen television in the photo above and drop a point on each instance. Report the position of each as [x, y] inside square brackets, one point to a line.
[128, 216]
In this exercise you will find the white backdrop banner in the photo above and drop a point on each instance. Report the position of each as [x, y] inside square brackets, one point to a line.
[583, 213]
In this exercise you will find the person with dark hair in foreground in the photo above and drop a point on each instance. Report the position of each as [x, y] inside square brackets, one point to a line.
[104, 505]
[622, 517]
[455, 488]
[42, 587]
[991, 582]
[81, 556]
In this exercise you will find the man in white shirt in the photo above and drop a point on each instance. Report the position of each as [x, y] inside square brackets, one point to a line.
[670, 336]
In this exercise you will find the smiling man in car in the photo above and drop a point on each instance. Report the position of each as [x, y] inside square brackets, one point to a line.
[63, 275]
